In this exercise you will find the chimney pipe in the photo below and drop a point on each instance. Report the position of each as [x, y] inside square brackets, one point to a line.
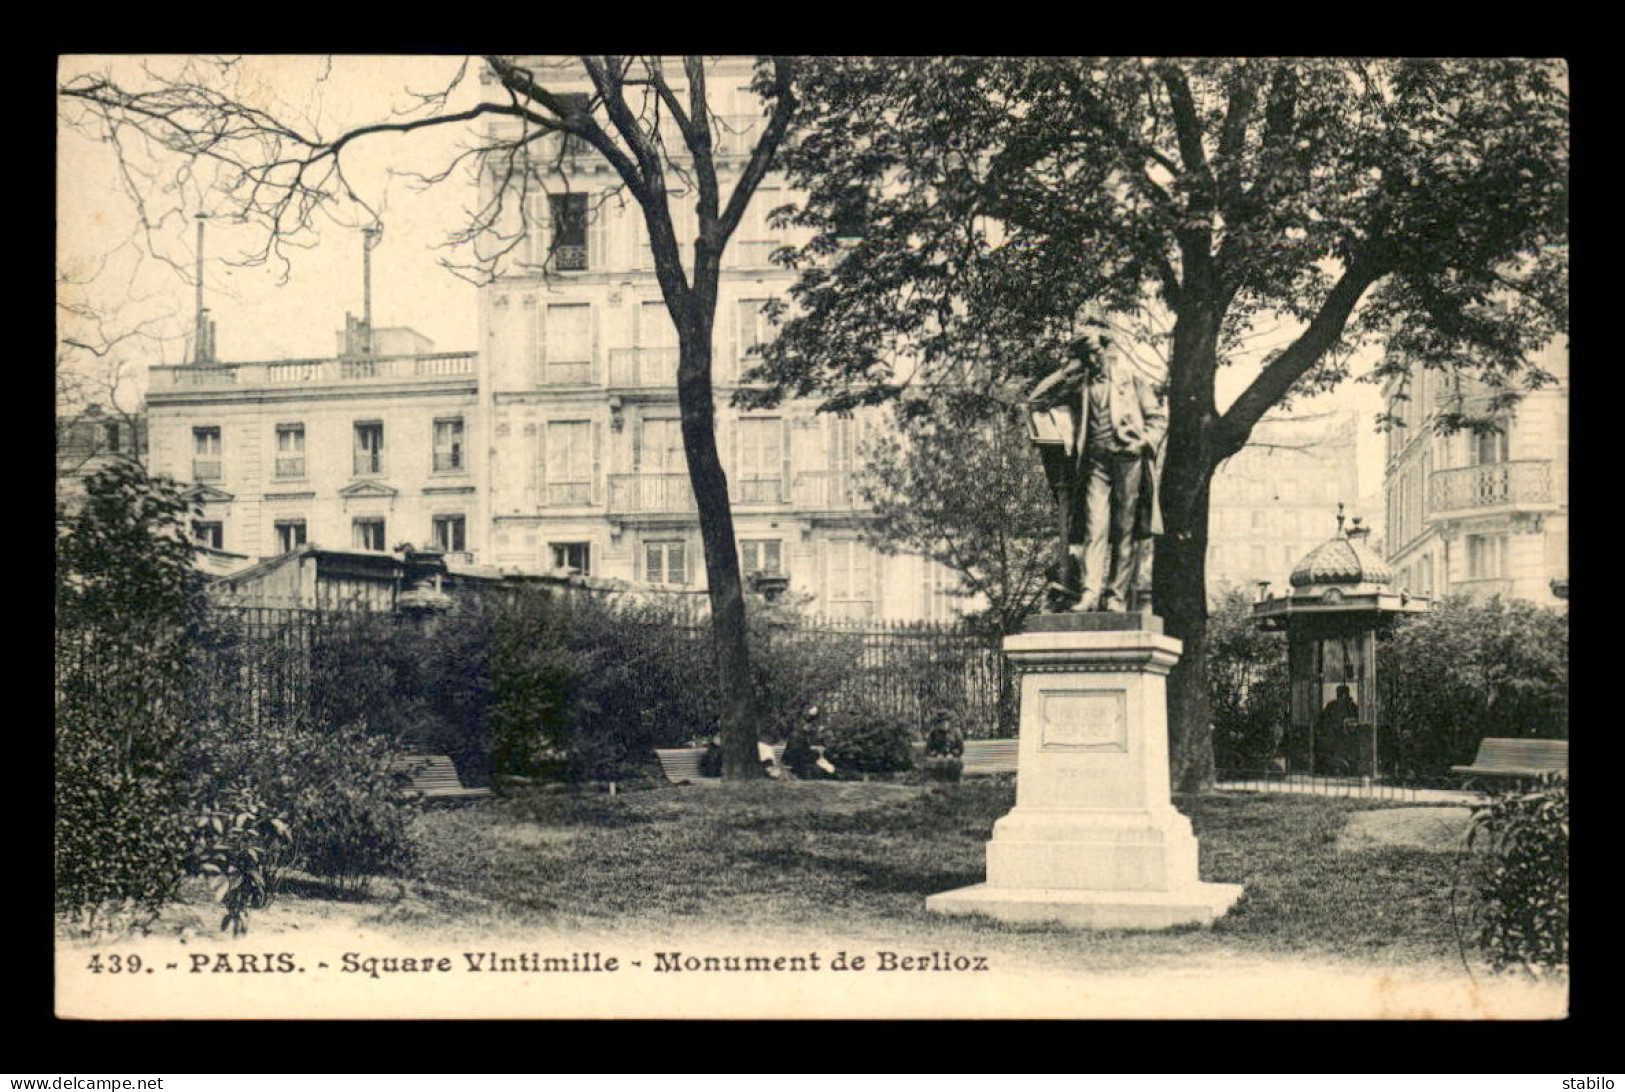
[200, 350]
[368, 241]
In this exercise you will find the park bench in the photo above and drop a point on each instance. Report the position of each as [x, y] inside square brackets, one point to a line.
[989, 756]
[434, 779]
[682, 764]
[1518, 758]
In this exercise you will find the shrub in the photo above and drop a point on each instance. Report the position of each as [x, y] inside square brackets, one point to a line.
[241, 846]
[331, 789]
[1518, 877]
[860, 741]
[127, 603]
[1248, 692]
[1467, 670]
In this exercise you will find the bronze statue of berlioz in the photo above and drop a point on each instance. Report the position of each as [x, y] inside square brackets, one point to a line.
[1098, 422]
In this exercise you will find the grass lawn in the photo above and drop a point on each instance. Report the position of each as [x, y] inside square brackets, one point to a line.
[851, 858]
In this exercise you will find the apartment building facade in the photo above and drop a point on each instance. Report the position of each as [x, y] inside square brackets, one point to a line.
[578, 380]
[90, 440]
[1479, 514]
[1277, 498]
[357, 451]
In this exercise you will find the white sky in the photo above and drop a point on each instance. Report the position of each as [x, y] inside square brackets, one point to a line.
[259, 316]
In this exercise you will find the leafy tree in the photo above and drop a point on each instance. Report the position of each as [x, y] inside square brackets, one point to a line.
[971, 213]
[276, 169]
[967, 493]
[127, 604]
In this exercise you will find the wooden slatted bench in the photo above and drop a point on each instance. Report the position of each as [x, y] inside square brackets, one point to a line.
[682, 764]
[989, 756]
[1517, 758]
[434, 779]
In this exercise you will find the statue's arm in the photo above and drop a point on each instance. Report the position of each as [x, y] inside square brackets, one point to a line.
[1051, 389]
[1154, 408]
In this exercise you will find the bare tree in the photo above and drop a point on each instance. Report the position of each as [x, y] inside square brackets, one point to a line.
[203, 127]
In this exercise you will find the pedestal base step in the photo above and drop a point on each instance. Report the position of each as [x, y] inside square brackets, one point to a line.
[1196, 904]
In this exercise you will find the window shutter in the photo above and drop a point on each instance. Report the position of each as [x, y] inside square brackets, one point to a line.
[596, 492]
[535, 341]
[637, 444]
[538, 464]
[726, 370]
[784, 457]
[728, 454]
[592, 344]
[540, 228]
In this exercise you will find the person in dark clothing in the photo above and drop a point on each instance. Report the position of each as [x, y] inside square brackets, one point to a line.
[943, 740]
[801, 756]
[711, 760]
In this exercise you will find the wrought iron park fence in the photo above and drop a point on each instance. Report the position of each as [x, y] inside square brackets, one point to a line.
[265, 664]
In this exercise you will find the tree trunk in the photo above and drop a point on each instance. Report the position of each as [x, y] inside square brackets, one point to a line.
[710, 485]
[1179, 575]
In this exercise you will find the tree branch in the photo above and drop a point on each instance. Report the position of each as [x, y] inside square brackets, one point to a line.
[1271, 384]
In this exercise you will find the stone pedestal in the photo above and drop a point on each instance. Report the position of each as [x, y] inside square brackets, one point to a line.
[1094, 840]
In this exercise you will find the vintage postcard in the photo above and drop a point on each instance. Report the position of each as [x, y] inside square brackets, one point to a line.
[811, 537]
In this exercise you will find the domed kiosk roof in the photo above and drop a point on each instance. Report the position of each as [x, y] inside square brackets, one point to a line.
[1345, 559]
[1343, 578]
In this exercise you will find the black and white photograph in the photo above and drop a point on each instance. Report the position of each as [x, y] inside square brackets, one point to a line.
[811, 537]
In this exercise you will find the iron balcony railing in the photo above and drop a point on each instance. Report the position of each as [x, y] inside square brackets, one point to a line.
[570, 258]
[448, 460]
[567, 373]
[324, 372]
[650, 493]
[369, 462]
[290, 466]
[1484, 587]
[205, 470]
[1520, 483]
[760, 489]
[569, 494]
[643, 367]
[827, 490]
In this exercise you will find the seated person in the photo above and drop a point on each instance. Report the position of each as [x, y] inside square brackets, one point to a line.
[943, 740]
[801, 756]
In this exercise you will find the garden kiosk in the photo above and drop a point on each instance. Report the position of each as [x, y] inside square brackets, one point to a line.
[1340, 599]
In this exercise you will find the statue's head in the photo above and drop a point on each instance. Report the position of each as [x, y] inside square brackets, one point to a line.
[1093, 352]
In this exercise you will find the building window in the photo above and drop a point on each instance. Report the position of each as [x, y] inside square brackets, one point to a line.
[761, 555]
[449, 534]
[665, 562]
[850, 581]
[369, 447]
[569, 345]
[290, 451]
[761, 460]
[574, 556]
[210, 533]
[755, 330]
[1489, 447]
[206, 454]
[448, 444]
[1486, 557]
[290, 534]
[368, 533]
[940, 602]
[569, 463]
[568, 213]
